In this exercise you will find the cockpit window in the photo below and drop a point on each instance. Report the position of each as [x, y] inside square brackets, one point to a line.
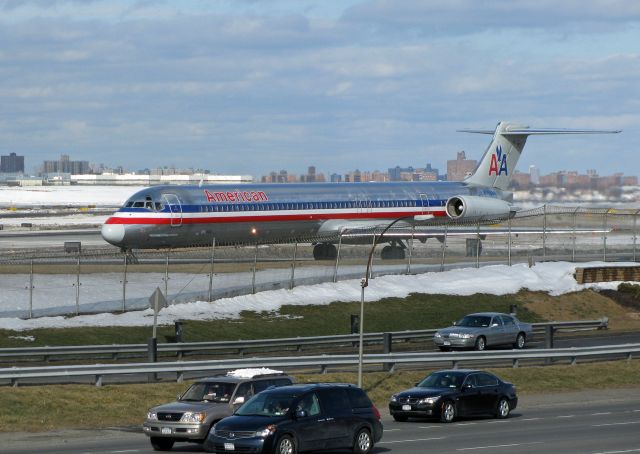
[148, 203]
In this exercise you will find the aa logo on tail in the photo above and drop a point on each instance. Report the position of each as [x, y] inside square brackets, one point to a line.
[498, 163]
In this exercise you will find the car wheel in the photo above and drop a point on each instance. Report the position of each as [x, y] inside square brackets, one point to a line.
[161, 444]
[448, 411]
[503, 408]
[363, 442]
[286, 445]
[400, 418]
[520, 341]
[481, 343]
[444, 349]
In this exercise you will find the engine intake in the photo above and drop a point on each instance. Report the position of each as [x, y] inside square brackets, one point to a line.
[474, 207]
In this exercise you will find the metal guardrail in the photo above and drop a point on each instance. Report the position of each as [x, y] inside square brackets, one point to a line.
[388, 362]
[181, 348]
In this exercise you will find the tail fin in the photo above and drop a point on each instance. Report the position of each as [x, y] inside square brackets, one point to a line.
[499, 160]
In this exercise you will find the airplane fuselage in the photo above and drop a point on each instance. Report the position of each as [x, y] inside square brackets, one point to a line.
[183, 216]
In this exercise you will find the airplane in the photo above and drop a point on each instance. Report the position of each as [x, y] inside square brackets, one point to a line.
[170, 216]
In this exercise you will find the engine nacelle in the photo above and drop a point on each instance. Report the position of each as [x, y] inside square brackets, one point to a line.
[474, 207]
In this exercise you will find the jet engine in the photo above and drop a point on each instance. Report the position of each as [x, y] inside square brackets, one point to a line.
[474, 207]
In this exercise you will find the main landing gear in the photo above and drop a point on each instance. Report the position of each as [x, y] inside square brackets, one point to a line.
[393, 252]
[325, 251]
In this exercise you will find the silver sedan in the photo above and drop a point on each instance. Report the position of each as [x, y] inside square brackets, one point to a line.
[484, 329]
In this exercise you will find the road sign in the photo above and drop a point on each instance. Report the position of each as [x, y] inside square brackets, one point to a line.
[156, 302]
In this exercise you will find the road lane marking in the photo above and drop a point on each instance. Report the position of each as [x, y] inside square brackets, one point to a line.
[616, 424]
[513, 445]
[600, 414]
[466, 423]
[530, 419]
[618, 452]
[391, 430]
[430, 427]
[409, 441]
[125, 450]
[566, 416]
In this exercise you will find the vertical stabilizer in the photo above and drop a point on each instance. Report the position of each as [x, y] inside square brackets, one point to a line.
[499, 160]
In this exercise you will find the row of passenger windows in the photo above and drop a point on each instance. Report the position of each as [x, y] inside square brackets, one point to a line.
[317, 205]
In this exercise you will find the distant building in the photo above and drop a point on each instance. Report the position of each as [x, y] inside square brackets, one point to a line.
[460, 168]
[65, 165]
[149, 180]
[534, 175]
[12, 164]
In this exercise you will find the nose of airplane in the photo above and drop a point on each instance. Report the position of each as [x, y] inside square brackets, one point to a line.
[113, 233]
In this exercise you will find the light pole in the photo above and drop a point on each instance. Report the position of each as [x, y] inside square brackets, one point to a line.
[365, 282]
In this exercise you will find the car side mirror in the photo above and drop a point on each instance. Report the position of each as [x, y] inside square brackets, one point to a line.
[300, 414]
[238, 400]
[454, 323]
[178, 396]
[467, 386]
[494, 325]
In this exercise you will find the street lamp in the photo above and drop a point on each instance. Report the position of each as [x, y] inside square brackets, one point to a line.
[365, 282]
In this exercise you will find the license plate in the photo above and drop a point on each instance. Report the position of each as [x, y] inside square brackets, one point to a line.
[229, 447]
[447, 342]
[406, 407]
[166, 431]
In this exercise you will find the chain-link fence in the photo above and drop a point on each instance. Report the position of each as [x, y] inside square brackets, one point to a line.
[92, 280]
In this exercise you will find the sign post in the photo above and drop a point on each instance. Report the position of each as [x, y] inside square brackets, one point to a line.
[156, 302]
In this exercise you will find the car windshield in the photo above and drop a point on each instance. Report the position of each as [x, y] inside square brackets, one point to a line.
[209, 391]
[267, 404]
[442, 380]
[474, 321]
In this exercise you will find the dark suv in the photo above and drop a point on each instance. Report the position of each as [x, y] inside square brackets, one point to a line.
[206, 402]
[300, 418]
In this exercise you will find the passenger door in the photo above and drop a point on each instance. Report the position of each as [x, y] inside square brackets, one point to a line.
[175, 208]
[488, 388]
[510, 329]
[495, 333]
[339, 419]
[311, 430]
[470, 401]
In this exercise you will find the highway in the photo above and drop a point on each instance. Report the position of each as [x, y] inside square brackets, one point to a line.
[600, 422]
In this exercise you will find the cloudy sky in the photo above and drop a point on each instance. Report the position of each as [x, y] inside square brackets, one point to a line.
[249, 86]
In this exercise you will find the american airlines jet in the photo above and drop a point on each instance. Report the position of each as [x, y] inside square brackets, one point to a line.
[184, 216]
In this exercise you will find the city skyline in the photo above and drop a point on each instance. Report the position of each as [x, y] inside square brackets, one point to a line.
[242, 87]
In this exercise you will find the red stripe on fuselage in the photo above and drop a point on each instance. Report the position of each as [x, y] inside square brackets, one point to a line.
[266, 218]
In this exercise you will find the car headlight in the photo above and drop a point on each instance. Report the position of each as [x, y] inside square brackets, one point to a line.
[152, 416]
[437, 334]
[193, 416]
[466, 336]
[394, 398]
[429, 400]
[269, 430]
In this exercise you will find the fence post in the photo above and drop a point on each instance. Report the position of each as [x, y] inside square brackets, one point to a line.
[635, 236]
[31, 291]
[544, 231]
[413, 230]
[293, 266]
[444, 247]
[166, 275]
[335, 270]
[124, 284]
[213, 252]
[573, 250]
[604, 236]
[255, 264]
[478, 245]
[509, 242]
[78, 285]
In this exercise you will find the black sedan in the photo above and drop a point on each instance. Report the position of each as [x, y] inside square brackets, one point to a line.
[448, 394]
